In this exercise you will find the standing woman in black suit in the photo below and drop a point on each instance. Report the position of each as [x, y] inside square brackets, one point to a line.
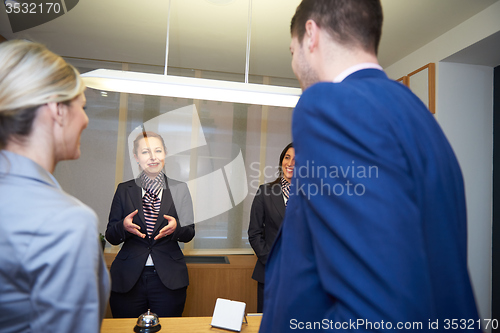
[150, 215]
[266, 215]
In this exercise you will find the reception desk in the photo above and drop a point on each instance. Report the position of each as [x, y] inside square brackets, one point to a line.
[182, 324]
[209, 281]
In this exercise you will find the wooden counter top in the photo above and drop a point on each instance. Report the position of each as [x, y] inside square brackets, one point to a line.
[181, 324]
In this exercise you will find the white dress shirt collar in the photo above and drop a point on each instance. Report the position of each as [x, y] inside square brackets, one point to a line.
[356, 68]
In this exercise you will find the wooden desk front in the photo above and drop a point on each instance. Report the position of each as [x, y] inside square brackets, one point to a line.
[180, 324]
[211, 281]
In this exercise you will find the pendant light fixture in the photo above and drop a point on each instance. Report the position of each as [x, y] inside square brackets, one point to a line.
[194, 88]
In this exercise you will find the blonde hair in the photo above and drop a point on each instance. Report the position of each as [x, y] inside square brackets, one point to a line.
[147, 134]
[31, 76]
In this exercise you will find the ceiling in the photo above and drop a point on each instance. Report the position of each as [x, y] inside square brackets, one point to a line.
[485, 52]
[212, 34]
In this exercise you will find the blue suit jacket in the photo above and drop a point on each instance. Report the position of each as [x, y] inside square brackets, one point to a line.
[375, 229]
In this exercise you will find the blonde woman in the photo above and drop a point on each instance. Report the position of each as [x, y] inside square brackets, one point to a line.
[150, 215]
[52, 274]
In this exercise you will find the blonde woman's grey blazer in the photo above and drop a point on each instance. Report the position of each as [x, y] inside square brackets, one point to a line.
[53, 277]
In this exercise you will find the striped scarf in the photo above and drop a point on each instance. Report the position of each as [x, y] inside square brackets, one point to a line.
[285, 188]
[150, 201]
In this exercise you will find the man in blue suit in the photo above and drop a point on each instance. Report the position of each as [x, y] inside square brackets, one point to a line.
[374, 237]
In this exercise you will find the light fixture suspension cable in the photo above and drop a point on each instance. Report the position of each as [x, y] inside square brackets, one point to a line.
[249, 35]
[168, 35]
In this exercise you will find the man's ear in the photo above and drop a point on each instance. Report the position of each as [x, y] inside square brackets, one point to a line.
[312, 35]
[57, 111]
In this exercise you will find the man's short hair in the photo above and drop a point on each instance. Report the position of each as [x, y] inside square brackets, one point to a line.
[349, 22]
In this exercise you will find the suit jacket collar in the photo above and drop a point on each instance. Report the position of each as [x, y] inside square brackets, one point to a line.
[166, 203]
[135, 192]
[13, 164]
[278, 200]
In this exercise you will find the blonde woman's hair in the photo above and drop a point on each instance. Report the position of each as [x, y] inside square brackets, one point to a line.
[31, 76]
[147, 134]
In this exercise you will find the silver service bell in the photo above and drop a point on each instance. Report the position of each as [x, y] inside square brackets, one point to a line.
[147, 323]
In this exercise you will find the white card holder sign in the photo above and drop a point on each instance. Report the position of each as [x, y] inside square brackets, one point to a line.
[228, 314]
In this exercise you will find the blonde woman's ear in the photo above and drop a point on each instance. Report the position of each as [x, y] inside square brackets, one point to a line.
[55, 111]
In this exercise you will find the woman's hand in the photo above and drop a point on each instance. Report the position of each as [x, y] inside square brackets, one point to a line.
[168, 229]
[131, 227]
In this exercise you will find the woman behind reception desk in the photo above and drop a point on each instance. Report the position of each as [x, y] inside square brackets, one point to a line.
[150, 215]
[266, 215]
[52, 273]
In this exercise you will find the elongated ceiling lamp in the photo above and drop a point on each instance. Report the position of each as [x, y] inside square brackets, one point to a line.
[195, 88]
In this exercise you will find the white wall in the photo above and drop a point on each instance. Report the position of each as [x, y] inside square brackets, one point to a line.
[464, 95]
[466, 116]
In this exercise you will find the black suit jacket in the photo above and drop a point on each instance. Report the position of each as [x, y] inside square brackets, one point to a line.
[266, 216]
[166, 253]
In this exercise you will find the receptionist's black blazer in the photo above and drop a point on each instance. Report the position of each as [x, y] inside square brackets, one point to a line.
[266, 216]
[167, 256]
